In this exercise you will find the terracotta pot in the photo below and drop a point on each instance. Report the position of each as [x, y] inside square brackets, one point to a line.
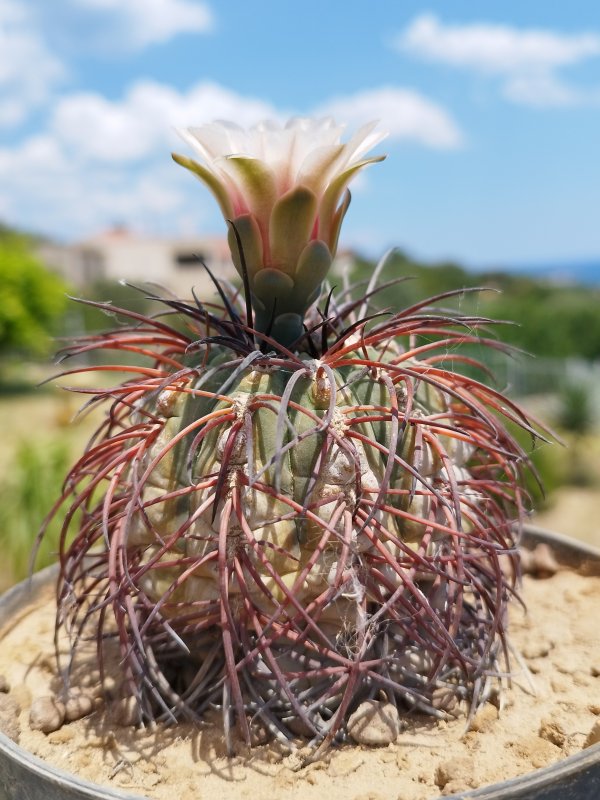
[25, 777]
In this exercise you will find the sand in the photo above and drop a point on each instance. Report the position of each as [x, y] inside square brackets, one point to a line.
[553, 704]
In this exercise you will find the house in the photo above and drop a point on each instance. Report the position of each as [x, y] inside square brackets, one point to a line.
[119, 254]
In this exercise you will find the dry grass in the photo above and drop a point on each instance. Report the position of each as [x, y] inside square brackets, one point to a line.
[39, 437]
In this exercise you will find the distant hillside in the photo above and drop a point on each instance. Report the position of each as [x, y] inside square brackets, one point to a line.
[581, 272]
[555, 317]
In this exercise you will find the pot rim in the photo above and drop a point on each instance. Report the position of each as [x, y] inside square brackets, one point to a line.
[569, 551]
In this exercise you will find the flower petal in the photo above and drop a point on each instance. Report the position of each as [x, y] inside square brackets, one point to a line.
[364, 140]
[333, 194]
[216, 139]
[251, 241]
[275, 289]
[290, 227]
[313, 265]
[216, 186]
[273, 282]
[257, 185]
[336, 222]
[316, 169]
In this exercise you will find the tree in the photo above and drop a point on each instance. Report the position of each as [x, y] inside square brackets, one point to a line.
[32, 298]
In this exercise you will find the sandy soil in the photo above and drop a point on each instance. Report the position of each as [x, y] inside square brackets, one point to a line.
[552, 706]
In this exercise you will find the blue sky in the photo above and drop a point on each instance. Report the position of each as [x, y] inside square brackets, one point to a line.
[493, 111]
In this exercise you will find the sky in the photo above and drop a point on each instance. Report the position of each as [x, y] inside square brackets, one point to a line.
[492, 111]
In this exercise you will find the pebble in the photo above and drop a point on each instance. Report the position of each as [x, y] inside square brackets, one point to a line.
[125, 712]
[22, 694]
[538, 648]
[418, 661]
[593, 736]
[259, 734]
[566, 663]
[369, 796]
[374, 723]
[4, 685]
[540, 561]
[444, 698]
[298, 727]
[485, 717]
[553, 732]
[345, 763]
[62, 735]
[78, 706]
[559, 684]
[9, 717]
[47, 714]
[457, 772]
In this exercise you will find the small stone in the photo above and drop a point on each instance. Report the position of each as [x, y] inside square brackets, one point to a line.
[540, 561]
[582, 679]
[553, 732]
[61, 736]
[78, 706]
[444, 698]
[298, 727]
[415, 661]
[22, 694]
[458, 786]
[4, 685]
[567, 663]
[594, 708]
[458, 772]
[108, 688]
[485, 717]
[537, 648]
[526, 559]
[345, 763]
[593, 736]
[125, 712]
[594, 671]
[369, 796]
[259, 734]
[374, 723]
[559, 684]
[9, 717]
[47, 714]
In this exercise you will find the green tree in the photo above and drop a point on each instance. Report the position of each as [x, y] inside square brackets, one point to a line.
[32, 299]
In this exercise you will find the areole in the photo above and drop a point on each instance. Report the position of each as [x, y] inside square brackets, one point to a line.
[25, 777]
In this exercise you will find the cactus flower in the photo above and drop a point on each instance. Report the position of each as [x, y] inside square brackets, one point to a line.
[285, 191]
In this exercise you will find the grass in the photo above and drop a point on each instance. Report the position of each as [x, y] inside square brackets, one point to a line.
[25, 499]
[40, 440]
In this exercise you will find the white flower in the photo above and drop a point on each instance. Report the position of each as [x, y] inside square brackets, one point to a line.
[285, 190]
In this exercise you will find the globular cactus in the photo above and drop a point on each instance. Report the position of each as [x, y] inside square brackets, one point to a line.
[291, 510]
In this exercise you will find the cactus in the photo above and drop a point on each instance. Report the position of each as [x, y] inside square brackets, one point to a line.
[293, 505]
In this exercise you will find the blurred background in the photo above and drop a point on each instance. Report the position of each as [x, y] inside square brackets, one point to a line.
[492, 179]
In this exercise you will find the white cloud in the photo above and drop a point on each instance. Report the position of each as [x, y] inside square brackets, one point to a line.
[527, 61]
[545, 91]
[497, 49]
[28, 70]
[141, 123]
[146, 22]
[45, 189]
[407, 115]
[101, 160]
